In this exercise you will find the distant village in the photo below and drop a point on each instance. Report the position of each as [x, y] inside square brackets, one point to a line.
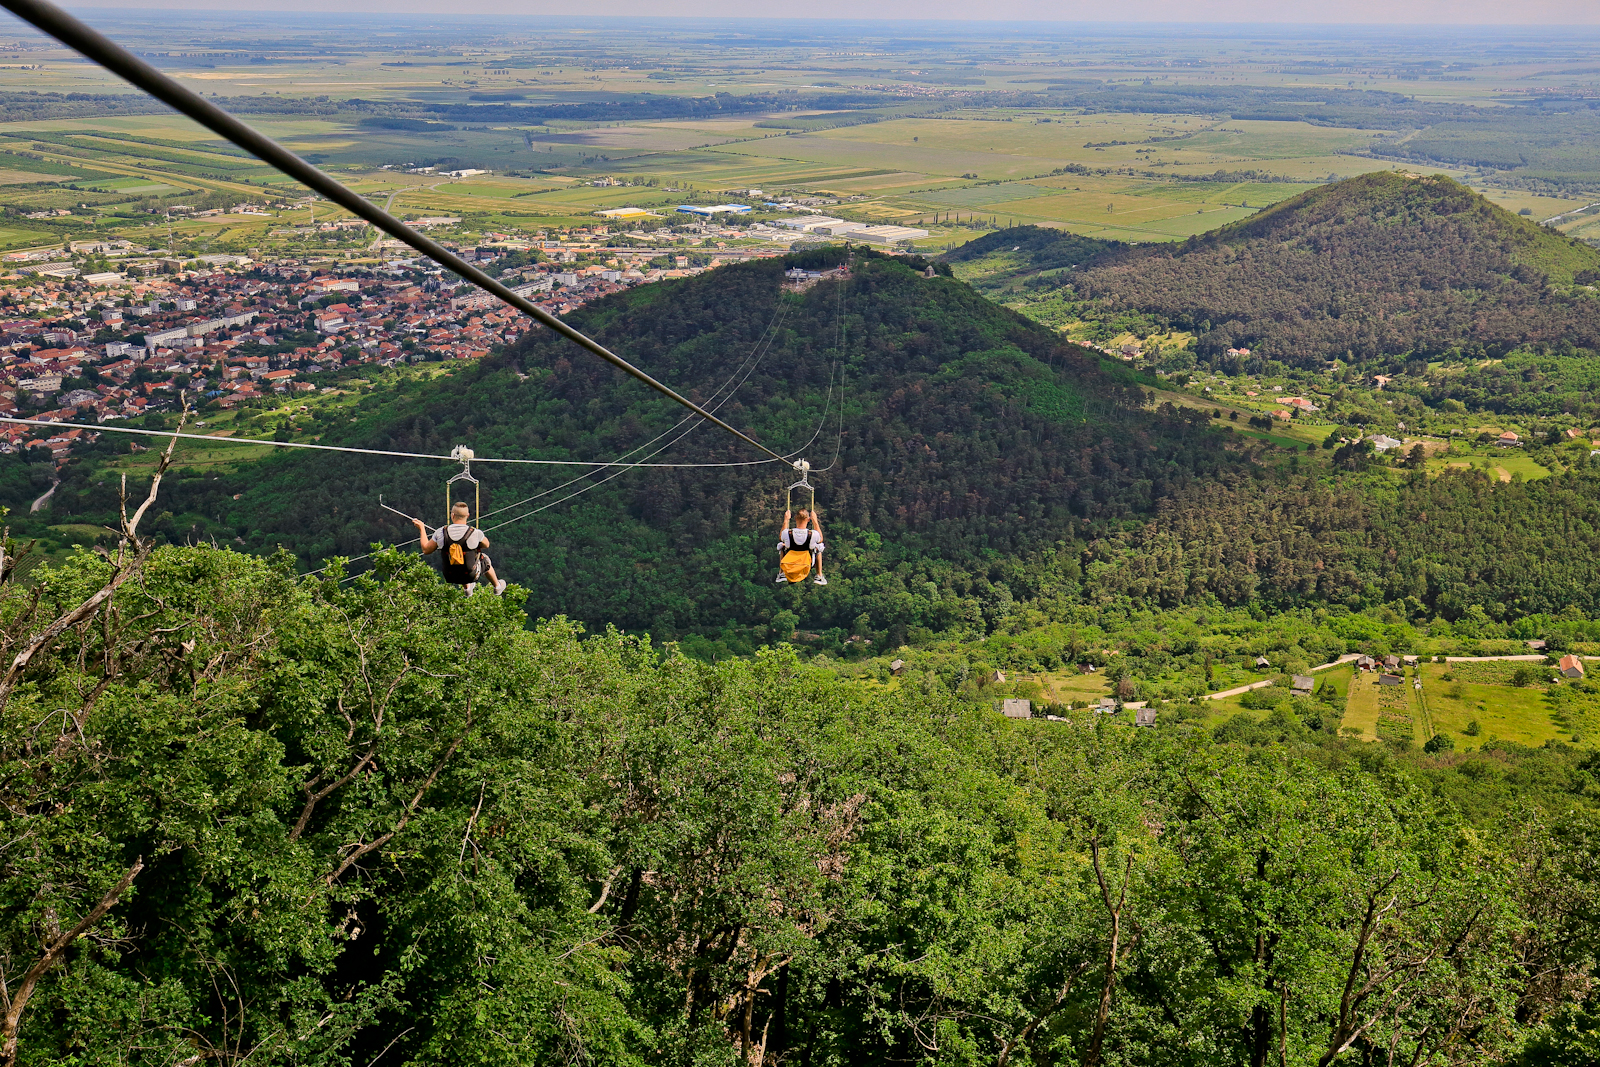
[91, 346]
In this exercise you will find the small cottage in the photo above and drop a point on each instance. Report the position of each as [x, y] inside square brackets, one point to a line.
[1017, 709]
[897, 668]
[1366, 663]
[1390, 679]
[1144, 717]
[1570, 666]
[1303, 684]
[1263, 663]
[997, 677]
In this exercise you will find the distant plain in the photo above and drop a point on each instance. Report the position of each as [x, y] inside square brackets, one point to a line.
[960, 134]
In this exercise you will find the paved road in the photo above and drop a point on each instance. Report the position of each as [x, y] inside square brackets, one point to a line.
[387, 204]
[1538, 658]
[37, 504]
[1349, 658]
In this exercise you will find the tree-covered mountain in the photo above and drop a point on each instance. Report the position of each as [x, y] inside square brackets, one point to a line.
[968, 434]
[985, 471]
[1379, 267]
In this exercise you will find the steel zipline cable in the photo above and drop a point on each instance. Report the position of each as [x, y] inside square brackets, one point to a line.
[102, 427]
[113, 57]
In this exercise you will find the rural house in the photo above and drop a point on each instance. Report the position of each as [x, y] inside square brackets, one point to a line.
[1570, 666]
[1017, 709]
[1303, 684]
[1390, 679]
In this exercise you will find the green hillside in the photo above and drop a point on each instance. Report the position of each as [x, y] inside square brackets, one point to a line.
[985, 471]
[969, 434]
[1382, 267]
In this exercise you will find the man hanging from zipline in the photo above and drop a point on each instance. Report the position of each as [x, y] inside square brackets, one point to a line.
[462, 547]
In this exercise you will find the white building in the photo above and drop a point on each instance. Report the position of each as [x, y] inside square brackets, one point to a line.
[835, 228]
[889, 235]
[806, 225]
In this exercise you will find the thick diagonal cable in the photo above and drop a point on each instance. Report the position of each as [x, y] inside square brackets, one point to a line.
[113, 57]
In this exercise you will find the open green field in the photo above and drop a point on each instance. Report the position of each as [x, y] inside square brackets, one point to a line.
[1455, 696]
[1521, 714]
[1502, 463]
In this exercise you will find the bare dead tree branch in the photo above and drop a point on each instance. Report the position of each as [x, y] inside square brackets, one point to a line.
[16, 1004]
[125, 569]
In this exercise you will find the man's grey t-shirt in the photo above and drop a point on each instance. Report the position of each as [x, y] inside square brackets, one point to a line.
[458, 530]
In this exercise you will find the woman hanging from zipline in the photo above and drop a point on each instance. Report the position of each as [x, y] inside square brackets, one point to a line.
[800, 547]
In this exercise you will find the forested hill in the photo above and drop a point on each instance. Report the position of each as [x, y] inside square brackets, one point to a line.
[1382, 265]
[969, 435]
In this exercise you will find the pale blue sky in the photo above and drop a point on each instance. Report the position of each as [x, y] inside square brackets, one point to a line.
[1368, 12]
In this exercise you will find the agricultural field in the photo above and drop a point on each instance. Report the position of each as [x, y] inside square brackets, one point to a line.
[1396, 713]
[954, 134]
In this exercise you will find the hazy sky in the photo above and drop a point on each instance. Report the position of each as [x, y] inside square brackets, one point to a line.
[1412, 12]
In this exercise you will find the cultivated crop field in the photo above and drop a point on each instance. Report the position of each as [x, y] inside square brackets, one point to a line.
[955, 135]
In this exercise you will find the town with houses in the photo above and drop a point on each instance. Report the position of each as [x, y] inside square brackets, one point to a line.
[96, 331]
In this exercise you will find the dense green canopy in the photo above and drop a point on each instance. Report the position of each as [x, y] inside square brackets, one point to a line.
[257, 819]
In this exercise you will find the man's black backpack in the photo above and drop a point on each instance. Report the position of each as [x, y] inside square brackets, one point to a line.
[459, 563]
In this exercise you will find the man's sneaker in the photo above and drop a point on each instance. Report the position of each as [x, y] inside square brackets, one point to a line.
[782, 578]
[820, 580]
[470, 587]
[500, 587]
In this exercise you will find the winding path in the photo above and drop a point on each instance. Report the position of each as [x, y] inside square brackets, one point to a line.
[40, 503]
[1350, 657]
